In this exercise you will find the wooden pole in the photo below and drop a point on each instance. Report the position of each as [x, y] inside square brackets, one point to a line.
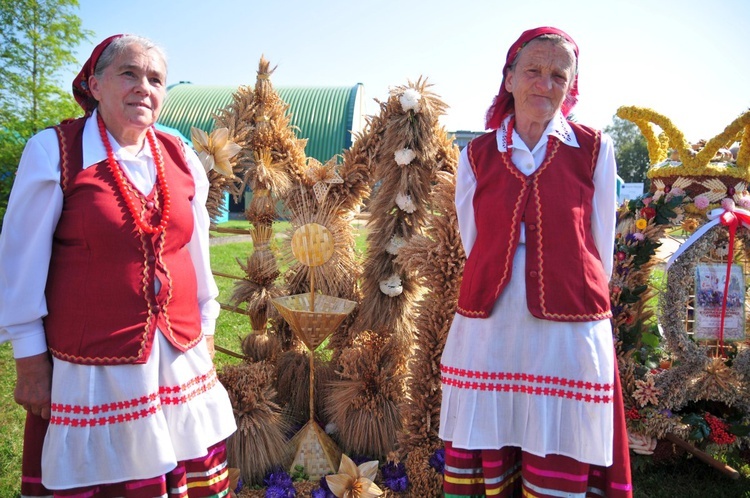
[312, 351]
[312, 385]
[704, 457]
[312, 288]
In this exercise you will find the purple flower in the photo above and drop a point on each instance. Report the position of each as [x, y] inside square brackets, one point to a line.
[638, 236]
[394, 476]
[276, 491]
[397, 484]
[278, 478]
[240, 483]
[392, 470]
[437, 460]
[322, 493]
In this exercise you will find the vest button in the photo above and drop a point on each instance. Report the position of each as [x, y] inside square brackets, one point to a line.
[531, 227]
[155, 308]
[533, 274]
[151, 258]
[150, 205]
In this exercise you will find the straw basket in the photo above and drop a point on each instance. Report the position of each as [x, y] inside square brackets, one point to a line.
[315, 451]
[313, 319]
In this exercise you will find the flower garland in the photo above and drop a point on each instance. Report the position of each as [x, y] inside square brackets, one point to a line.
[161, 181]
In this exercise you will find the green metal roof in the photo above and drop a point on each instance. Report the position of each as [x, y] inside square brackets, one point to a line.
[326, 116]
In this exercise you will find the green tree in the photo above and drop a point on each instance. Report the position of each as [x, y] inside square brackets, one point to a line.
[631, 150]
[36, 53]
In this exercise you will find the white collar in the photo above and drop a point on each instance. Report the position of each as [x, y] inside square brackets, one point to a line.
[558, 127]
[93, 148]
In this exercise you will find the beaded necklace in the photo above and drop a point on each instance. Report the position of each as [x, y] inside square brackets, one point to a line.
[161, 181]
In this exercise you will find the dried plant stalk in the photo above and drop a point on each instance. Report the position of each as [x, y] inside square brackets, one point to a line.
[390, 290]
[261, 346]
[259, 443]
[438, 257]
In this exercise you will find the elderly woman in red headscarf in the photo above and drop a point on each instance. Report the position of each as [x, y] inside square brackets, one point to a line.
[108, 297]
[531, 396]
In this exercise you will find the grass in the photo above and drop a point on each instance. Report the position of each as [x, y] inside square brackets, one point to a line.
[688, 478]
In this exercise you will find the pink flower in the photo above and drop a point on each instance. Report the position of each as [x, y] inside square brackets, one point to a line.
[647, 201]
[646, 392]
[639, 236]
[727, 204]
[701, 202]
[744, 202]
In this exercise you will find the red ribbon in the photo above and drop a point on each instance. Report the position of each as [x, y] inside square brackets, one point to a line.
[731, 220]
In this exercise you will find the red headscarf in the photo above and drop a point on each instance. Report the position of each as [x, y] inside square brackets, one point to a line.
[81, 90]
[502, 105]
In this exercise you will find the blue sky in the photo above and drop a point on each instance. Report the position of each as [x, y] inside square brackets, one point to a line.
[687, 59]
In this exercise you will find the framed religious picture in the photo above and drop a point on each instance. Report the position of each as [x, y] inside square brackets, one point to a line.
[710, 282]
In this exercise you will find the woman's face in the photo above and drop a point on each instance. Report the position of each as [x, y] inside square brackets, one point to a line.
[541, 79]
[131, 90]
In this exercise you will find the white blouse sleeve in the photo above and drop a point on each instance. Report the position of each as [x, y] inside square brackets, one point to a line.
[199, 247]
[605, 204]
[33, 210]
[466, 185]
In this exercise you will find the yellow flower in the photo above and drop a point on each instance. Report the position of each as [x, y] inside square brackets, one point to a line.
[215, 150]
[353, 481]
[641, 224]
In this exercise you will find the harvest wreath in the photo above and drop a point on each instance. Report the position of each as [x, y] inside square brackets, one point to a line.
[676, 387]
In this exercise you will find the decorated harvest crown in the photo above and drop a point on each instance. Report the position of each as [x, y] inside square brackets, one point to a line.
[707, 169]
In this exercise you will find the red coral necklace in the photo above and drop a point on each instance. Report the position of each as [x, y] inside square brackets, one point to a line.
[509, 133]
[161, 181]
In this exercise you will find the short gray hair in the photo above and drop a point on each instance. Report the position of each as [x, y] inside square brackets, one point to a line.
[119, 45]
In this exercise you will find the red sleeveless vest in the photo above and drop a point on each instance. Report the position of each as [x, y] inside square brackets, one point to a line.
[102, 307]
[565, 280]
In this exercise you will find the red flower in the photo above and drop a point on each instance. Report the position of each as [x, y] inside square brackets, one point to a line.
[621, 256]
[648, 212]
[718, 427]
[632, 414]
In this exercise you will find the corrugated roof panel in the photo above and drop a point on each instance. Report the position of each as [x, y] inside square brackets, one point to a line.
[325, 116]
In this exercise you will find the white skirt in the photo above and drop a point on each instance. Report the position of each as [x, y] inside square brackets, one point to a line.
[515, 380]
[127, 422]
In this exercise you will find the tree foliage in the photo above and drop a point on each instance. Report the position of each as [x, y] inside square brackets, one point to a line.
[36, 53]
[631, 151]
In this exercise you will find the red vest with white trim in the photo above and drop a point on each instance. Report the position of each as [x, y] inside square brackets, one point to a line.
[102, 305]
[565, 280]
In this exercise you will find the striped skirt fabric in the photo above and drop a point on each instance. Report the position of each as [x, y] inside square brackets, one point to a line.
[509, 472]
